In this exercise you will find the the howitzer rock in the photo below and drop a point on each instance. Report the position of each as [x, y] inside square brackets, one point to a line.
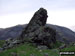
[36, 32]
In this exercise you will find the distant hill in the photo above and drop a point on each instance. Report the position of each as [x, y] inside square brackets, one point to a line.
[62, 33]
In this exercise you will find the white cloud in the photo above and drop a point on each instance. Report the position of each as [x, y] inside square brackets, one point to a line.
[13, 12]
[62, 18]
[15, 19]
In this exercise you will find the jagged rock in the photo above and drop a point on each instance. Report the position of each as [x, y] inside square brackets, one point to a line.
[39, 19]
[44, 36]
[35, 32]
[9, 43]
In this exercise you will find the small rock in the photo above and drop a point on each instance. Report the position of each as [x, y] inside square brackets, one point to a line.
[74, 44]
[40, 50]
[1, 49]
[32, 55]
[46, 54]
[42, 47]
[13, 54]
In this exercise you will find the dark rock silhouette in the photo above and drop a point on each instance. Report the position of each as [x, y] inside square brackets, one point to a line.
[45, 36]
[39, 19]
[35, 32]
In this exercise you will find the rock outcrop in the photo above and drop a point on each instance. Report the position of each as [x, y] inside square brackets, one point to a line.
[39, 19]
[44, 36]
[36, 32]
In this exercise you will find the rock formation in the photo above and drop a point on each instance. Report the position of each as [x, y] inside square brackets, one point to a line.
[44, 36]
[36, 32]
[39, 19]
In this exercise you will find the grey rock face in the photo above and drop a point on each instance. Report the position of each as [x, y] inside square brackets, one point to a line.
[35, 32]
[10, 43]
[39, 19]
[44, 36]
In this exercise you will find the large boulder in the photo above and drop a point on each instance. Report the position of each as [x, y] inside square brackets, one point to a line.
[44, 36]
[35, 32]
[39, 19]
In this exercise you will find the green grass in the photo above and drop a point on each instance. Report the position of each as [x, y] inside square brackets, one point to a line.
[68, 49]
[27, 49]
[57, 44]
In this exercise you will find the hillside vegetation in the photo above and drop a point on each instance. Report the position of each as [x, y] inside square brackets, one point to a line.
[27, 49]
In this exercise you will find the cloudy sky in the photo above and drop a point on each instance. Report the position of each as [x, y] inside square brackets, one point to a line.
[14, 12]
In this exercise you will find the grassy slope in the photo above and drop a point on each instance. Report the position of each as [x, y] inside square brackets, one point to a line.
[70, 48]
[27, 49]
